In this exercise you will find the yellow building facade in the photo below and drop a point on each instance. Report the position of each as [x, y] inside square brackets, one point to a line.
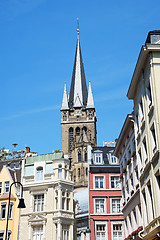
[7, 177]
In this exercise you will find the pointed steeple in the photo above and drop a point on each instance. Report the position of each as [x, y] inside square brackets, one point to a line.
[90, 102]
[78, 91]
[65, 99]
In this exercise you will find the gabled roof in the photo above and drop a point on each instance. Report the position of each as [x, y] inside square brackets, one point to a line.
[78, 91]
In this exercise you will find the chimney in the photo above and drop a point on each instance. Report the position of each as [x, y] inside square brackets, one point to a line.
[27, 149]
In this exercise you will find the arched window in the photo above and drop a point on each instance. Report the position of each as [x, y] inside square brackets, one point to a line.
[77, 131]
[60, 171]
[39, 173]
[79, 156]
[85, 156]
[70, 137]
[84, 129]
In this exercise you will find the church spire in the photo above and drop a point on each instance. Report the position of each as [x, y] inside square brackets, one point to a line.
[78, 91]
[65, 100]
[90, 102]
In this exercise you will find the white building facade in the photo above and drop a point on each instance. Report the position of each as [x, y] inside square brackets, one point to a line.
[48, 194]
[125, 150]
[144, 89]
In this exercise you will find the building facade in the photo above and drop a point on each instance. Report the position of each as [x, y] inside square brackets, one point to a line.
[106, 218]
[125, 150]
[48, 194]
[78, 121]
[7, 177]
[144, 90]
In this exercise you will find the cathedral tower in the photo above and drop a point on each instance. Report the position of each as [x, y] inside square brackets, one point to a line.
[78, 120]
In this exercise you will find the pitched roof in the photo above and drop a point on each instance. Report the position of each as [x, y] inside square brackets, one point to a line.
[78, 91]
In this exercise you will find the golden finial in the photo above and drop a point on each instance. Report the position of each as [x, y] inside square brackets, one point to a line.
[78, 27]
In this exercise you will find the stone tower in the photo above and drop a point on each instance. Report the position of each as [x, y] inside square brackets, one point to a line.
[78, 121]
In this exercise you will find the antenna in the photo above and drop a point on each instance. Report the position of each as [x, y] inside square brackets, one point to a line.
[78, 28]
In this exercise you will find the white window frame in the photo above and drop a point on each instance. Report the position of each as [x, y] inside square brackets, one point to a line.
[37, 202]
[117, 223]
[6, 186]
[36, 233]
[94, 181]
[106, 230]
[65, 231]
[114, 182]
[104, 204]
[40, 173]
[153, 143]
[2, 232]
[98, 157]
[4, 204]
[111, 208]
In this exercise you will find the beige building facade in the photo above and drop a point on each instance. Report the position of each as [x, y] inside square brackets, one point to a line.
[48, 194]
[78, 121]
[144, 89]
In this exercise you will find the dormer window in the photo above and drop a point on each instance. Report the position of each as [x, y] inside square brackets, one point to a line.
[98, 157]
[39, 173]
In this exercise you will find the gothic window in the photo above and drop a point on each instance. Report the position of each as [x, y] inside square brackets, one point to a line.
[64, 116]
[85, 156]
[77, 131]
[84, 129]
[70, 137]
[79, 156]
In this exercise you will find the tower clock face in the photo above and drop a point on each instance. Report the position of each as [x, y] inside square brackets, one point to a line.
[77, 112]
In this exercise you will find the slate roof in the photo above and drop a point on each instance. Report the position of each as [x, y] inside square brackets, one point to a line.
[82, 79]
[105, 151]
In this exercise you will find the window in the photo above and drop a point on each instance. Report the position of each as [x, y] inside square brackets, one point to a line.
[149, 95]
[90, 115]
[127, 187]
[153, 138]
[39, 203]
[56, 198]
[144, 149]
[77, 131]
[9, 236]
[141, 110]
[60, 171]
[64, 116]
[135, 217]
[79, 156]
[86, 171]
[65, 232]
[131, 177]
[117, 232]
[39, 173]
[79, 172]
[137, 123]
[3, 210]
[97, 158]
[99, 182]
[85, 157]
[0, 187]
[70, 137]
[99, 205]
[115, 182]
[140, 155]
[100, 232]
[38, 233]
[1, 235]
[116, 208]
[113, 160]
[6, 186]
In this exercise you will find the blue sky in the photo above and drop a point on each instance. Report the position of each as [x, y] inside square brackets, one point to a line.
[37, 48]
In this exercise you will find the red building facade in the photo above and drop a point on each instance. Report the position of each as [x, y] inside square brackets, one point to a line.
[106, 218]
